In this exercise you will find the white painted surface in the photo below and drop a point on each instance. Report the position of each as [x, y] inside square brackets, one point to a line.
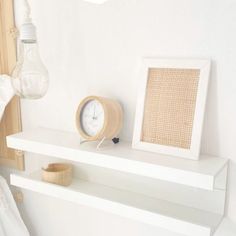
[95, 49]
[227, 227]
[173, 217]
[96, 1]
[121, 157]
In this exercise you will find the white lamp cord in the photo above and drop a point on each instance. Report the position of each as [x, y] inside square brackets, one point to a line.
[26, 11]
[27, 29]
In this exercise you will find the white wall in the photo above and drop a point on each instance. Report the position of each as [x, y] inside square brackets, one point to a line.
[92, 49]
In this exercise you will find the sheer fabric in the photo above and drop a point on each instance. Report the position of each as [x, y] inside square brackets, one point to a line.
[6, 92]
[11, 223]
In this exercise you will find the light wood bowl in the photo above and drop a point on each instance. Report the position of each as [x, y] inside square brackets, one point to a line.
[58, 173]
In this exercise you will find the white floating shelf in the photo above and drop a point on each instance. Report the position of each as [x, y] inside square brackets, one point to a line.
[177, 218]
[201, 174]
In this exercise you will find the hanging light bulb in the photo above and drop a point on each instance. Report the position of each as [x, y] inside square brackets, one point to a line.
[30, 76]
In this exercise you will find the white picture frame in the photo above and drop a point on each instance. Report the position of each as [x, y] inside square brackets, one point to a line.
[192, 152]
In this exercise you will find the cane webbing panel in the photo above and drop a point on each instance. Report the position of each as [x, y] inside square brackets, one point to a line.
[170, 106]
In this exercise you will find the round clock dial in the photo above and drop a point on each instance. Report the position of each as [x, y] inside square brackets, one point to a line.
[92, 117]
[98, 118]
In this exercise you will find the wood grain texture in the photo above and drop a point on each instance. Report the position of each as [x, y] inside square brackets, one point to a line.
[58, 173]
[113, 120]
[11, 121]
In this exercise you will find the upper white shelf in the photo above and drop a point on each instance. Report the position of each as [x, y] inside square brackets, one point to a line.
[121, 157]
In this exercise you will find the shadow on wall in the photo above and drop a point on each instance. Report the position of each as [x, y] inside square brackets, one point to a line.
[210, 136]
[231, 208]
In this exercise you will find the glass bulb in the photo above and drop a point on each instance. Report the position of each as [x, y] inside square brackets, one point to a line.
[30, 76]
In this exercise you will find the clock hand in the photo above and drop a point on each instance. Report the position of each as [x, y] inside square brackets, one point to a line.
[100, 113]
[94, 112]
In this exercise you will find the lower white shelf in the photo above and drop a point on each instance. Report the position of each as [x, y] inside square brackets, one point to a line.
[170, 216]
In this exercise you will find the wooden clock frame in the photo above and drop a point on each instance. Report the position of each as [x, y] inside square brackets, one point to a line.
[113, 118]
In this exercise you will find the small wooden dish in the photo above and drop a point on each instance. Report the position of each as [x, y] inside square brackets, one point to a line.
[58, 173]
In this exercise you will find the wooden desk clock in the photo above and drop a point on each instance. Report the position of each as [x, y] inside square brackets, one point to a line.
[99, 118]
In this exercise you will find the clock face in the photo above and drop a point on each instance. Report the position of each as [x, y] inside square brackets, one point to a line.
[92, 118]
